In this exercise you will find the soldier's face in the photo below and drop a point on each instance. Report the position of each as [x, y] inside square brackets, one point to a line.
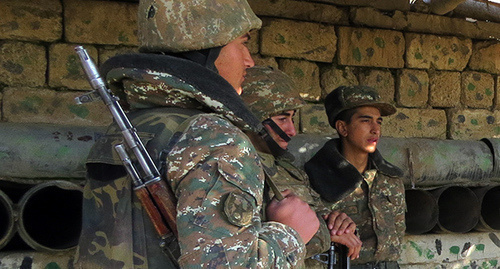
[285, 122]
[233, 60]
[361, 135]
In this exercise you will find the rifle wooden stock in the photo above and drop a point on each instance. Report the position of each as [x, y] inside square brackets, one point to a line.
[164, 199]
[152, 211]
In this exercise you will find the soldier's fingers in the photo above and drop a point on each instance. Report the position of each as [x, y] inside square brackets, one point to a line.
[336, 221]
[331, 219]
[348, 226]
[287, 192]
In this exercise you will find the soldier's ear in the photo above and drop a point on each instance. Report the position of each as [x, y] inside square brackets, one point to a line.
[341, 127]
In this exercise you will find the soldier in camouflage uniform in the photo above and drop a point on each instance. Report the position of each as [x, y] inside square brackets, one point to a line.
[272, 96]
[351, 175]
[193, 124]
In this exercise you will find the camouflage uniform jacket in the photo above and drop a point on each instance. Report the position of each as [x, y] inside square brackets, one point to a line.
[374, 201]
[288, 176]
[213, 169]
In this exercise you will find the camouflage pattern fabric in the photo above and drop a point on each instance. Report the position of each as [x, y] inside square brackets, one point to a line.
[214, 172]
[268, 91]
[212, 165]
[381, 222]
[377, 206]
[346, 97]
[288, 176]
[186, 25]
[116, 231]
[142, 89]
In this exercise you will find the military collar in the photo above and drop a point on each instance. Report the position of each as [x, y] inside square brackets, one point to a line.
[333, 177]
[202, 84]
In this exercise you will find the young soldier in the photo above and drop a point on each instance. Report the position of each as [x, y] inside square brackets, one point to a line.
[351, 175]
[192, 121]
[273, 98]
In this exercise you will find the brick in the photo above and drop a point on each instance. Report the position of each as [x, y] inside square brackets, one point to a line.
[253, 43]
[477, 89]
[264, 61]
[100, 22]
[473, 124]
[486, 57]
[299, 40]
[444, 89]
[304, 11]
[370, 47]
[333, 77]
[487, 30]
[306, 77]
[442, 25]
[65, 69]
[382, 81]
[412, 88]
[497, 94]
[367, 16]
[22, 64]
[48, 106]
[110, 51]
[407, 123]
[1, 109]
[31, 20]
[438, 52]
[313, 120]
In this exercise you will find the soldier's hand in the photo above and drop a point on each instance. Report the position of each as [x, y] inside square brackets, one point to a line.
[352, 242]
[294, 212]
[339, 223]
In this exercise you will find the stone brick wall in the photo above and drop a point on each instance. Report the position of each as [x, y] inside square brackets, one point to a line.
[441, 73]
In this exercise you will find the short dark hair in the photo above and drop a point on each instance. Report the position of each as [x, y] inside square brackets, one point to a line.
[345, 115]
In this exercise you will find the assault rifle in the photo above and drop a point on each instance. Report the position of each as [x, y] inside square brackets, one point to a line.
[330, 258]
[155, 195]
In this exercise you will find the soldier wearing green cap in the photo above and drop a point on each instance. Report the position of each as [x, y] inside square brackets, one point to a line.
[182, 96]
[350, 175]
[273, 97]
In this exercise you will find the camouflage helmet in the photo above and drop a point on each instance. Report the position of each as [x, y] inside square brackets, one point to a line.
[187, 25]
[268, 91]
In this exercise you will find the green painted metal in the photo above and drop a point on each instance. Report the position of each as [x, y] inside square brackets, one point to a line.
[45, 150]
[427, 163]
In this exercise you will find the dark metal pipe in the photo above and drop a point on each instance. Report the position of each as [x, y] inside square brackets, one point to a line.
[7, 219]
[489, 199]
[50, 216]
[422, 211]
[459, 209]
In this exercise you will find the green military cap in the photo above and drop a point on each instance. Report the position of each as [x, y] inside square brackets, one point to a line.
[348, 97]
[268, 92]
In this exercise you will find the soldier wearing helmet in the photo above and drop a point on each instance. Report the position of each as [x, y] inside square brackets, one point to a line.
[182, 94]
[272, 96]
